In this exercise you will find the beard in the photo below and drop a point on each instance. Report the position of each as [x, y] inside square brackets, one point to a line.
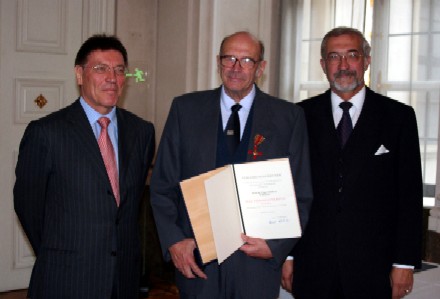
[342, 86]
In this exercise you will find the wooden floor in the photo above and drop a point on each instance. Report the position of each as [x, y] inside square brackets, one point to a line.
[159, 290]
[163, 290]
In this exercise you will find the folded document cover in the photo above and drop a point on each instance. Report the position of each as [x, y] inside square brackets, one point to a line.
[254, 198]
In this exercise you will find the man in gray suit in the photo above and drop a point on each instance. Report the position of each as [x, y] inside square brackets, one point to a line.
[196, 140]
[79, 211]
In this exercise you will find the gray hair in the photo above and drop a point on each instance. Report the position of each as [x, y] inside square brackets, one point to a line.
[366, 48]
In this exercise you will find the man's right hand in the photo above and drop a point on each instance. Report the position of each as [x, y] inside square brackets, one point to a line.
[182, 254]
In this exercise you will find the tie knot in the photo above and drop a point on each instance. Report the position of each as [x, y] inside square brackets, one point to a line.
[103, 122]
[345, 106]
[235, 108]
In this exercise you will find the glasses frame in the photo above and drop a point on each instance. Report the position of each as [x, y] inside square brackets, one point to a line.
[254, 62]
[350, 60]
[106, 69]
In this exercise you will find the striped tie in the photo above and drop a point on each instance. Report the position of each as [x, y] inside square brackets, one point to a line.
[108, 154]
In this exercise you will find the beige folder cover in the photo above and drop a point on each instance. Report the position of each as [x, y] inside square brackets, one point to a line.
[261, 194]
[194, 195]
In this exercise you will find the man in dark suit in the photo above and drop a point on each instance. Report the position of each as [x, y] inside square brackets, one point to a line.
[195, 141]
[80, 211]
[363, 239]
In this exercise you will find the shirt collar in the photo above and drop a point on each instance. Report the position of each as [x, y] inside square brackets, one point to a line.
[93, 115]
[246, 102]
[357, 100]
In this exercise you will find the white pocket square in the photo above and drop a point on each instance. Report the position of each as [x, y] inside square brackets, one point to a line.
[381, 150]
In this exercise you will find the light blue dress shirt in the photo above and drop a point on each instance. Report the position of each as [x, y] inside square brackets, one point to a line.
[93, 116]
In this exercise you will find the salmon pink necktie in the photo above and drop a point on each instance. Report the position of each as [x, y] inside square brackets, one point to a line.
[108, 154]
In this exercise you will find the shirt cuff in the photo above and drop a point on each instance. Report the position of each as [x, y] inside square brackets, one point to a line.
[403, 266]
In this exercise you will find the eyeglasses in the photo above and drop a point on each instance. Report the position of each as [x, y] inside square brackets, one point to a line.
[230, 61]
[105, 69]
[336, 58]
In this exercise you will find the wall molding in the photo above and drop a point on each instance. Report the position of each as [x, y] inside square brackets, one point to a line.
[98, 17]
[30, 37]
[28, 89]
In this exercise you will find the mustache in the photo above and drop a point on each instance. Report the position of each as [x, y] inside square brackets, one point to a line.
[341, 73]
[235, 74]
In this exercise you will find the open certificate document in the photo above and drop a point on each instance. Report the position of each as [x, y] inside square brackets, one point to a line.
[254, 198]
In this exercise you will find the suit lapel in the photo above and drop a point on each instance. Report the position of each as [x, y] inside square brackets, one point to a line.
[365, 138]
[208, 126]
[126, 136]
[83, 133]
[324, 142]
[368, 127]
[263, 125]
[326, 125]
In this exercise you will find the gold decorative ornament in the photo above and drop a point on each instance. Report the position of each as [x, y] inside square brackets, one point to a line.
[40, 101]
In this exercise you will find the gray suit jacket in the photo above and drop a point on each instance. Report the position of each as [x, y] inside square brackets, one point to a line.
[188, 148]
[66, 206]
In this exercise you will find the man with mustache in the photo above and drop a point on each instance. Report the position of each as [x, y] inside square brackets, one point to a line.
[196, 139]
[81, 174]
[364, 238]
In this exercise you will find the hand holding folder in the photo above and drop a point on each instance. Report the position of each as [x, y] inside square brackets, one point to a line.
[254, 198]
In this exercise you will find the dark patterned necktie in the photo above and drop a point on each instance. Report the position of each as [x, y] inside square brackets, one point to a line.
[345, 126]
[232, 130]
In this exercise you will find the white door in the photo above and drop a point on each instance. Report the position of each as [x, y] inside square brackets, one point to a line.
[38, 44]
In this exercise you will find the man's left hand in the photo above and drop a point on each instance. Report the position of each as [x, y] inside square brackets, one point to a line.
[287, 275]
[256, 247]
[401, 282]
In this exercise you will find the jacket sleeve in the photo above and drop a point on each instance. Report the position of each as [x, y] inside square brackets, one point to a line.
[301, 172]
[165, 193]
[32, 174]
[410, 194]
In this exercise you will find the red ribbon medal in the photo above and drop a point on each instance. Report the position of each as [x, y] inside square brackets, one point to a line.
[258, 139]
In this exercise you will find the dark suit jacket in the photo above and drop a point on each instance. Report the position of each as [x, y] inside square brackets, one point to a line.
[367, 209]
[188, 148]
[66, 206]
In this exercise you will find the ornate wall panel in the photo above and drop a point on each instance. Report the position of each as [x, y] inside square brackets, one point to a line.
[37, 98]
[41, 34]
[98, 17]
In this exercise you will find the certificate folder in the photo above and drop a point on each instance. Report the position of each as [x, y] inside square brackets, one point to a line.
[254, 198]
